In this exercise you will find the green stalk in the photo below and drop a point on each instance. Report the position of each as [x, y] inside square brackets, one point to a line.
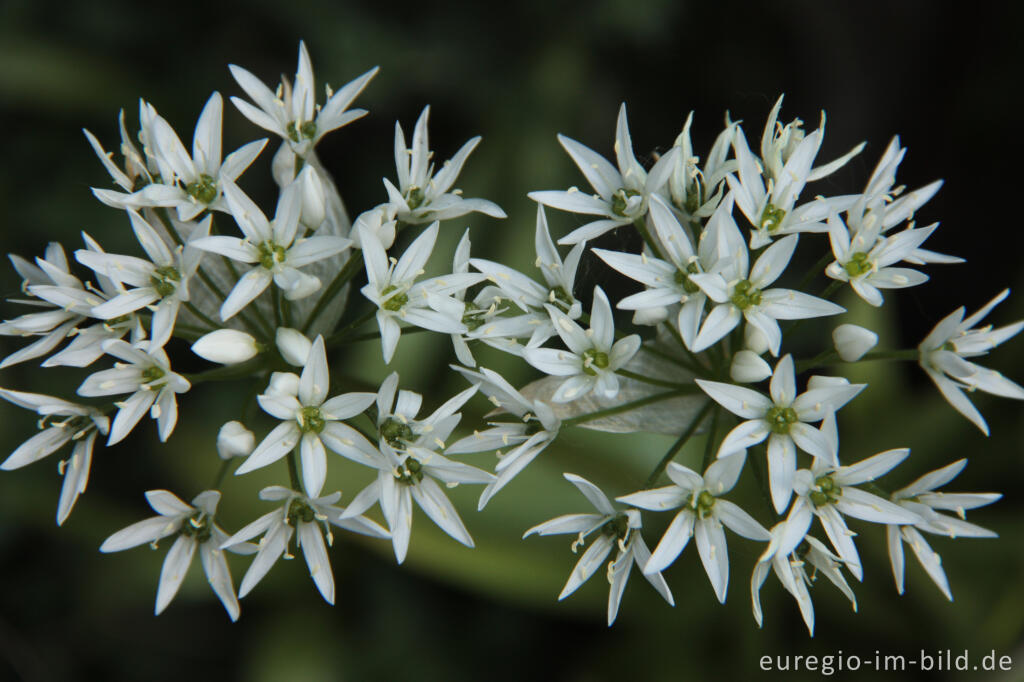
[677, 446]
[641, 226]
[648, 380]
[625, 407]
[346, 273]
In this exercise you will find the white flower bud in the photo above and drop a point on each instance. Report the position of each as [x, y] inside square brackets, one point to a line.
[649, 317]
[283, 383]
[852, 342]
[314, 209]
[234, 440]
[282, 167]
[226, 347]
[380, 220]
[293, 345]
[754, 339]
[748, 367]
[819, 381]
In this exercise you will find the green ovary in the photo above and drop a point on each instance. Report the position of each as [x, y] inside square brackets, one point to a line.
[780, 419]
[594, 358]
[745, 295]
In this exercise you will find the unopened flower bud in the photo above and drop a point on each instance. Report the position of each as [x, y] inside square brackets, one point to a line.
[819, 381]
[293, 346]
[226, 347]
[748, 367]
[314, 210]
[852, 342]
[234, 440]
[754, 339]
[283, 383]
[649, 317]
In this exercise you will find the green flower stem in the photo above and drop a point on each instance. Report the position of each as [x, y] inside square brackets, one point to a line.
[293, 469]
[341, 335]
[648, 380]
[832, 358]
[346, 273]
[222, 471]
[672, 358]
[626, 407]
[818, 267]
[370, 336]
[228, 372]
[709, 446]
[677, 446]
[275, 294]
[203, 317]
[641, 226]
[758, 467]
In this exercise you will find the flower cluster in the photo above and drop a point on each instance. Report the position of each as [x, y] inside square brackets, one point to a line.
[708, 352]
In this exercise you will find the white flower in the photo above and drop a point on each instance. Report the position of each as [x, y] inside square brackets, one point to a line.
[852, 342]
[293, 345]
[308, 419]
[702, 513]
[790, 566]
[193, 528]
[398, 296]
[537, 428]
[234, 440]
[920, 498]
[942, 355]
[784, 419]
[593, 356]
[292, 112]
[197, 180]
[828, 492]
[423, 196]
[226, 347]
[310, 517]
[615, 530]
[148, 377]
[740, 293]
[80, 427]
[695, 191]
[748, 368]
[622, 194]
[273, 246]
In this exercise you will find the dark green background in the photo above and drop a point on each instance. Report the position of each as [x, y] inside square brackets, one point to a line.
[944, 76]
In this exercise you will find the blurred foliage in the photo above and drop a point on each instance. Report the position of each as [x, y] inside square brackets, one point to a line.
[941, 76]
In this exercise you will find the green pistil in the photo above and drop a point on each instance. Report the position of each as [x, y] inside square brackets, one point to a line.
[780, 419]
[152, 373]
[270, 254]
[745, 295]
[620, 199]
[560, 295]
[410, 472]
[594, 358]
[414, 198]
[827, 491]
[310, 420]
[198, 527]
[683, 278]
[772, 217]
[470, 317]
[307, 131]
[396, 433]
[298, 510]
[616, 527]
[396, 302]
[203, 190]
[857, 265]
[704, 504]
[165, 280]
[694, 196]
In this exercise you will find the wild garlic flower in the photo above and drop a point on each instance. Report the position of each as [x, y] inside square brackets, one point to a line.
[740, 293]
[393, 288]
[943, 355]
[193, 528]
[80, 426]
[311, 518]
[593, 356]
[536, 429]
[292, 112]
[852, 341]
[790, 565]
[615, 530]
[921, 499]
[622, 194]
[784, 419]
[145, 372]
[423, 196]
[702, 513]
[275, 249]
[829, 493]
[309, 420]
[695, 191]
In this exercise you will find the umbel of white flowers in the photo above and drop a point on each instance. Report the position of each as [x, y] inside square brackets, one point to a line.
[266, 291]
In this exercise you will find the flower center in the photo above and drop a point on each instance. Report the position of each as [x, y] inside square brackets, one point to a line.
[199, 527]
[558, 295]
[409, 472]
[617, 526]
[203, 190]
[620, 200]
[857, 265]
[414, 198]
[305, 130]
[310, 420]
[270, 254]
[703, 505]
[827, 491]
[396, 433]
[780, 419]
[745, 295]
[298, 510]
[397, 301]
[683, 278]
[152, 374]
[594, 358]
[772, 217]
[471, 316]
[165, 280]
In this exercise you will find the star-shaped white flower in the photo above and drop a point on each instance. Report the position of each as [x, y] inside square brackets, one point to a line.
[614, 530]
[784, 419]
[702, 513]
